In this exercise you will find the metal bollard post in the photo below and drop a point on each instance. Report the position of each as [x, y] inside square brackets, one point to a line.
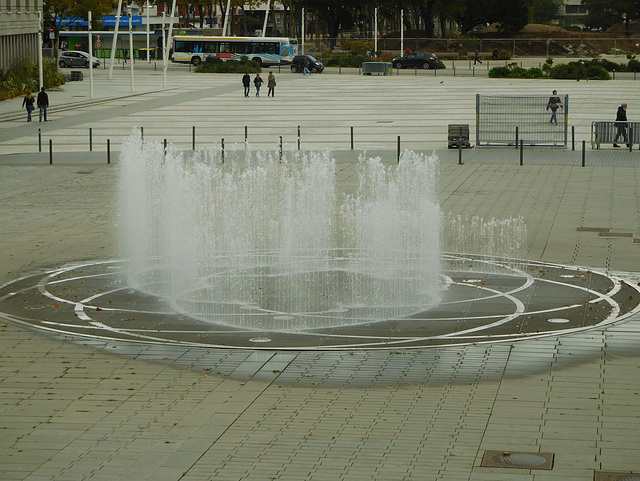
[90, 139]
[614, 74]
[460, 151]
[351, 138]
[222, 147]
[246, 134]
[473, 72]
[454, 70]
[516, 137]
[51, 151]
[165, 147]
[298, 137]
[280, 148]
[142, 133]
[521, 152]
[573, 137]
[39, 140]
[398, 149]
[108, 151]
[193, 138]
[584, 143]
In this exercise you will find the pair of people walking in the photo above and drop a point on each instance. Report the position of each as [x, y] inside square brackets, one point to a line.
[43, 104]
[257, 82]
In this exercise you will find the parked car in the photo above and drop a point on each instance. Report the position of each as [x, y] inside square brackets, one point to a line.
[424, 60]
[300, 61]
[76, 58]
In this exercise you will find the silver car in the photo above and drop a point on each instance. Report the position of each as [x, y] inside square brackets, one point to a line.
[76, 59]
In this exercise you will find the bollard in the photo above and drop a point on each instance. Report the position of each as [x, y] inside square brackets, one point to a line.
[516, 137]
[584, 143]
[246, 134]
[39, 140]
[142, 133]
[351, 138]
[222, 146]
[454, 70]
[398, 149]
[473, 72]
[51, 151]
[460, 151]
[521, 152]
[165, 146]
[298, 137]
[280, 148]
[614, 74]
[573, 137]
[435, 72]
[108, 151]
[193, 138]
[90, 139]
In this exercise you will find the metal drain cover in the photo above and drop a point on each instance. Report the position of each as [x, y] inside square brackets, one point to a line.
[610, 476]
[508, 459]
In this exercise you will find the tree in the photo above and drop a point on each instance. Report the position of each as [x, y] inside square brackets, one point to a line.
[338, 15]
[542, 11]
[606, 13]
[511, 15]
[57, 12]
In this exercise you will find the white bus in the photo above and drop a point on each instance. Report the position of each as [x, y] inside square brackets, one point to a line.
[265, 51]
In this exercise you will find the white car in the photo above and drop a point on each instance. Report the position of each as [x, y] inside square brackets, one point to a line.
[76, 58]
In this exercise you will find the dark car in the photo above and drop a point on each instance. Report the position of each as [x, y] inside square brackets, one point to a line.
[424, 60]
[76, 58]
[299, 62]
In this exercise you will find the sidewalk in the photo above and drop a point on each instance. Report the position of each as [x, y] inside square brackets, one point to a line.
[87, 408]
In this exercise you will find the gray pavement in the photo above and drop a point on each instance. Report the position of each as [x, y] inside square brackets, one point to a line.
[80, 408]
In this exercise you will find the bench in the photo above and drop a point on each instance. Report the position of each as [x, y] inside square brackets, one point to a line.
[448, 55]
[605, 131]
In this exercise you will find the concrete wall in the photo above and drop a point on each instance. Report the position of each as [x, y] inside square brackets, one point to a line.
[18, 31]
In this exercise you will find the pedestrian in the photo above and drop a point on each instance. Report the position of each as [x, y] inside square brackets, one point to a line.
[494, 54]
[553, 104]
[581, 70]
[271, 83]
[43, 103]
[621, 125]
[246, 81]
[257, 81]
[305, 71]
[476, 57]
[28, 103]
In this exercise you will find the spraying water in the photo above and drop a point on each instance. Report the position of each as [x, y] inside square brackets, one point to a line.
[263, 242]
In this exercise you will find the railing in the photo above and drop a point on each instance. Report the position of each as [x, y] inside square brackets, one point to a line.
[612, 132]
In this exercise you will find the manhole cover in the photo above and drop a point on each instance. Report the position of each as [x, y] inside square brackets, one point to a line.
[508, 459]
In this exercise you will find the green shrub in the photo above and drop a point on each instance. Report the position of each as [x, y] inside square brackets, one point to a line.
[23, 75]
[564, 71]
[534, 72]
[499, 72]
[597, 72]
[634, 65]
[504, 55]
[217, 65]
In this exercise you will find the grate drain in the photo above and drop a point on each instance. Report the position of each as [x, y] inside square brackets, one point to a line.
[611, 476]
[508, 459]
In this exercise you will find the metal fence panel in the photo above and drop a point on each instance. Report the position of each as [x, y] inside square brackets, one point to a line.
[507, 119]
[611, 132]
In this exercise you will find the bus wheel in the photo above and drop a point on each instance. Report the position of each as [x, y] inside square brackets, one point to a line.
[196, 61]
[258, 61]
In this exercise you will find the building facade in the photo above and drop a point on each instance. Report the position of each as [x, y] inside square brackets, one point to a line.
[19, 26]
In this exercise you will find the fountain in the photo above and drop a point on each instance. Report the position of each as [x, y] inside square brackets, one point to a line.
[263, 241]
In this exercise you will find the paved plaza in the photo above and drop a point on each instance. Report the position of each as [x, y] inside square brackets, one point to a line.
[88, 407]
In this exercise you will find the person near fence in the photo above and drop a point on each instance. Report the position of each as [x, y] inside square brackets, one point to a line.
[43, 104]
[28, 103]
[621, 125]
[246, 81]
[271, 83]
[257, 81]
[554, 104]
[476, 57]
[581, 70]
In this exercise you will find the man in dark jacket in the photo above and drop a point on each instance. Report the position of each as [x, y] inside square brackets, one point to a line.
[621, 126]
[43, 103]
[553, 104]
[246, 81]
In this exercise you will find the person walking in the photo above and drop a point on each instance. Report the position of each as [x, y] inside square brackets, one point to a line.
[246, 81]
[257, 81]
[28, 103]
[43, 104]
[476, 57]
[271, 84]
[553, 104]
[621, 125]
[581, 70]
